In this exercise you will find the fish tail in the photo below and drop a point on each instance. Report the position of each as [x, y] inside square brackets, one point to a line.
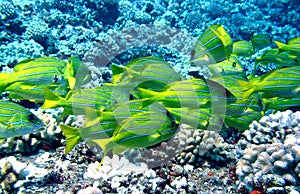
[6, 80]
[72, 137]
[280, 44]
[53, 100]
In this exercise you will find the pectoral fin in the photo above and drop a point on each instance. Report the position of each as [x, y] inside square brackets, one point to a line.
[72, 137]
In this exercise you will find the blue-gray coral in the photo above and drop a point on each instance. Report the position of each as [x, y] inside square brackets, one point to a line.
[20, 20]
[204, 145]
[270, 153]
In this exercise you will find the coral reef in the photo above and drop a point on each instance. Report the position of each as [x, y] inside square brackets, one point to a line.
[204, 146]
[19, 51]
[269, 153]
[72, 28]
[140, 40]
[48, 139]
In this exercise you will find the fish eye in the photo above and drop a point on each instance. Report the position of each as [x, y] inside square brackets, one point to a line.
[131, 97]
[31, 117]
[173, 124]
[234, 64]
[55, 79]
[193, 53]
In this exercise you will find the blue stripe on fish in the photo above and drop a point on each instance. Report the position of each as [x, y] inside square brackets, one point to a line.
[282, 86]
[133, 137]
[131, 129]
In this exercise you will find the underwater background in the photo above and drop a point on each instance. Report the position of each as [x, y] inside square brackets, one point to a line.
[263, 159]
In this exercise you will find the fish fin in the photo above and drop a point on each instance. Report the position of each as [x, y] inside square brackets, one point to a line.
[117, 72]
[72, 137]
[146, 102]
[280, 44]
[116, 69]
[104, 144]
[6, 80]
[53, 100]
[145, 93]
[72, 82]
[70, 73]
[131, 73]
[119, 149]
[247, 87]
[147, 96]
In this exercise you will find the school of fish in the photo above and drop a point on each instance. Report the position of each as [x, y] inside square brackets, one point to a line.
[147, 99]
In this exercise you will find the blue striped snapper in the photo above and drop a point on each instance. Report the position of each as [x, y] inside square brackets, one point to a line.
[283, 82]
[188, 93]
[45, 76]
[16, 120]
[276, 57]
[242, 121]
[76, 73]
[260, 41]
[242, 48]
[79, 101]
[254, 102]
[293, 46]
[196, 118]
[232, 65]
[31, 76]
[34, 92]
[230, 82]
[42, 62]
[44, 70]
[146, 72]
[239, 112]
[213, 46]
[280, 104]
[122, 127]
[103, 125]
[141, 130]
[144, 69]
